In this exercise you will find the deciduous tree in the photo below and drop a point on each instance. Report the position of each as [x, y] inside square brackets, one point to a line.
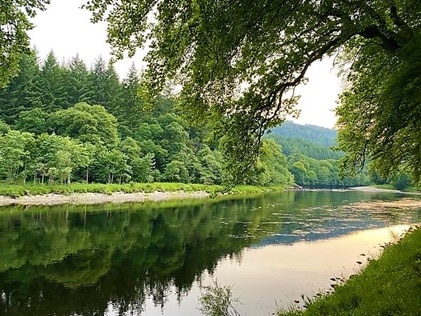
[15, 22]
[238, 62]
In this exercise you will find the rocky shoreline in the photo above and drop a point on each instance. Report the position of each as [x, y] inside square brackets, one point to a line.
[98, 198]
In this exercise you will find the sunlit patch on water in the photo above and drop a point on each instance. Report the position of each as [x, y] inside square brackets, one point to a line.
[300, 269]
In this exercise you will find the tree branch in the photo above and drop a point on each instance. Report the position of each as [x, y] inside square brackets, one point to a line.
[388, 43]
[407, 32]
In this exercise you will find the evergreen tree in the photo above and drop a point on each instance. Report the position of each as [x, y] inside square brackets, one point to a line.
[52, 85]
[131, 112]
[78, 83]
[23, 92]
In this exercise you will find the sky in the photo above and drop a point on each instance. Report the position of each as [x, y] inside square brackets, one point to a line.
[66, 29]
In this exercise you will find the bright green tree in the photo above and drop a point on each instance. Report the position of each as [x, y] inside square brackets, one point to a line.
[33, 121]
[88, 123]
[273, 165]
[57, 157]
[14, 154]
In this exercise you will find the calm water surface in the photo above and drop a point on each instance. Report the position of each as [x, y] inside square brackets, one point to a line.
[153, 259]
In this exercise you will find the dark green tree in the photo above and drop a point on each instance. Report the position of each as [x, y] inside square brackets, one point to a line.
[131, 106]
[22, 92]
[106, 87]
[78, 83]
[380, 114]
[52, 85]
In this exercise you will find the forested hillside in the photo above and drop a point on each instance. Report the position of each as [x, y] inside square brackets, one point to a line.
[316, 134]
[311, 157]
[65, 122]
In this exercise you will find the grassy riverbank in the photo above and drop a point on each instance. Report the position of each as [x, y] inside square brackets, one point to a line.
[15, 191]
[390, 285]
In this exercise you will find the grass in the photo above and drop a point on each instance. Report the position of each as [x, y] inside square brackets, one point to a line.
[16, 190]
[390, 285]
[391, 187]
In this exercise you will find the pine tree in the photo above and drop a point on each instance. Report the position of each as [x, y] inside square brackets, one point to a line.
[22, 93]
[78, 83]
[52, 85]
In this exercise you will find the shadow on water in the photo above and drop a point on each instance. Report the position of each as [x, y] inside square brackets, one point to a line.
[67, 260]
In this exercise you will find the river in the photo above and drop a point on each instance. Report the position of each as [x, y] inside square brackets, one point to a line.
[155, 258]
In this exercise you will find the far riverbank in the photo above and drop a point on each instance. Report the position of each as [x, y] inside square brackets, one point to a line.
[88, 194]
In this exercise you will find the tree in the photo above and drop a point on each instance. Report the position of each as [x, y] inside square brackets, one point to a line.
[141, 167]
[273, 165]
[107, 90]
[57, 157]
[78, 81]
[131, 111]
[14, 153]
[33, 121]
[22, 92]
[14, 24]
[239, 61]
[380, 114]
[51, 85]
[87, 123]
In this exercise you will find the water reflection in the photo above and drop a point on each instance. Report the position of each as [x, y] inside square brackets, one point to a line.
[148, 259]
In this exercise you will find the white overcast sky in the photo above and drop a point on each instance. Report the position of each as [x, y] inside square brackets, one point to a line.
[66, 29]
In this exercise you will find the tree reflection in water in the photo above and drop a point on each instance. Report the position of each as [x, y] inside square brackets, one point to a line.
[81, 259]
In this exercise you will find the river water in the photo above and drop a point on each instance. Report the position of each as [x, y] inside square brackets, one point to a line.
[156, 258]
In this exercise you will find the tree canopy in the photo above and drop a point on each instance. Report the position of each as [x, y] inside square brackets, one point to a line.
[14, 23]
[240, 61]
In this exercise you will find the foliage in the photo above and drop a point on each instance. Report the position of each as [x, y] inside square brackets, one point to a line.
[118, 141]
[15, 22]
[402, 181]
[126, 141]
[218, 301]
[380, 113]
[387, 286]
[316, 134]
[238, 62]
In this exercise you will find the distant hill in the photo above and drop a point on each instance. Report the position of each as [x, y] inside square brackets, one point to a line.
[316, 134]
[310, 140]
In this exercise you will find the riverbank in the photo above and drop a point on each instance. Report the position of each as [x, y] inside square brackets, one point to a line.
[389, 285]
[384, 189]
[78, 193]
[98, 198]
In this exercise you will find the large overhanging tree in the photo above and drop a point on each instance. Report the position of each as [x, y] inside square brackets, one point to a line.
[239, 61]
[14, 23]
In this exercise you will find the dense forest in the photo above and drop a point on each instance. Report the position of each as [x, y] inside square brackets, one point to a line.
[63, 122]
[311, 156]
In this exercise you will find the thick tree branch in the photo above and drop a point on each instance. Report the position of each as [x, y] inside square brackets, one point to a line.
[407, 32]
[388, 43]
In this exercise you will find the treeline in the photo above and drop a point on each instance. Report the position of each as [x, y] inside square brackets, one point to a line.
[65, 122]
[311, 157]
[325, 137]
